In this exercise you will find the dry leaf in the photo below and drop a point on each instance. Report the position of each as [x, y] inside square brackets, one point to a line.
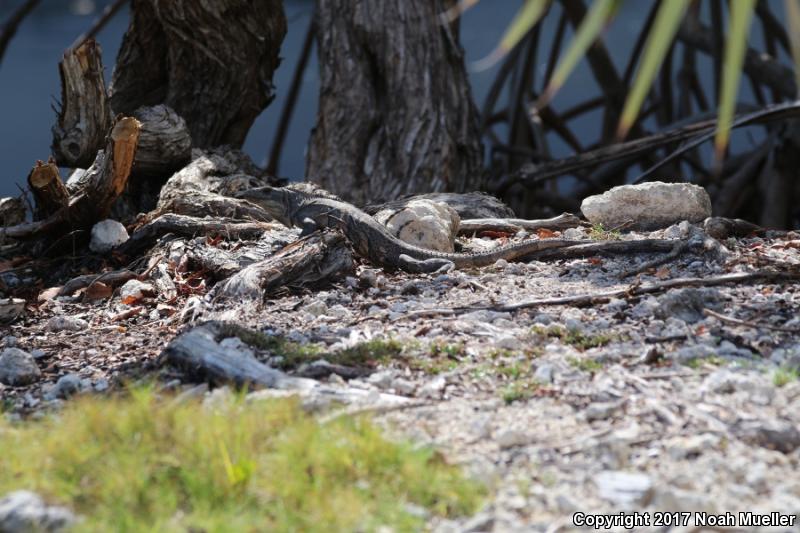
[662, 273]
[49, 294]
[97, 291]
[596, 261]
[544, 233]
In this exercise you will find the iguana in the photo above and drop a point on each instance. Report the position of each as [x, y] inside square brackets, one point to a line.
[312, 209]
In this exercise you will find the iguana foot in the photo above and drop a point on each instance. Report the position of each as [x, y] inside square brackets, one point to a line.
[427, 266]
[308, 227]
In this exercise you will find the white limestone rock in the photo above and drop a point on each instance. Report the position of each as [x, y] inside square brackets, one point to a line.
[423, 223]
[18, 368]
[23, 511]
[107, 235]
[648, 206]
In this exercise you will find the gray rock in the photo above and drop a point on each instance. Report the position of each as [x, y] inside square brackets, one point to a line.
[26, 512]
[648, 205]
[107, 235]
[66, 323]
[624, 488]
[511, 438]
[134, 290]
[101, 385]
[573, 234]
[544, 373]
[681, 447]
[67, 385]
[687, 304]
[780, 435]
[381, 379]
[11, 308]
[403, 386]
[18, 368]
[692, 353]
[433, 388]
[479, 523]
[316, 308]
[601, 411]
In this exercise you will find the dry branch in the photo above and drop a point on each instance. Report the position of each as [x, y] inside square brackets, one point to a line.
[199, 353]
[95, 191]
[85, 115]
[12, 24]
[188, 226]
[109, 278]
[513, 225]
[48, 190]
[311, 261]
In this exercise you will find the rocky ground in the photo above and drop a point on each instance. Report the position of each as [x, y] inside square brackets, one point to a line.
[683, 400]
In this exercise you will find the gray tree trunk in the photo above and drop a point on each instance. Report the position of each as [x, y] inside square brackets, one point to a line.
[396, 114]
[212, 62]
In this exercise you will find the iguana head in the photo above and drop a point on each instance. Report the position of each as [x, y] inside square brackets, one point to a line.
[282, 202]
[279, 202]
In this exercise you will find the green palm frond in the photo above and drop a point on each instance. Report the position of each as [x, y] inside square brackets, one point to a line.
[793, 16]
[602, 11]
[529, 15]
[669, 17]
[740, 16]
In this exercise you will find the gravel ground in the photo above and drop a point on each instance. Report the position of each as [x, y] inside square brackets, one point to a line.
[686, 400]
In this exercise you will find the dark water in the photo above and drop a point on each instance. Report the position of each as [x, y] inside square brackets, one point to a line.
[29, 84]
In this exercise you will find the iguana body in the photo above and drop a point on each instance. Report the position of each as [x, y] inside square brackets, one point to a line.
[371, 239]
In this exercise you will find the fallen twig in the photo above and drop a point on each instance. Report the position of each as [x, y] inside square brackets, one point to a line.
[679, 249]
[513, 225]
[747, 323]
[582, 300]
[118, 277]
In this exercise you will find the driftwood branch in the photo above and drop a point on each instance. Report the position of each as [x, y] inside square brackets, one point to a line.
[49, 191]
[109, 278]
[95, 191]
[311, 261]
[85, 115]
[583, 300]
[513, 225]
[653, 288]
[199, 353]
[188, 226]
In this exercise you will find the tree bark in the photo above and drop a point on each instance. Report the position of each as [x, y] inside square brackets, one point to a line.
[212, 62]
[48, 190]
[396, 114]
[85, 116]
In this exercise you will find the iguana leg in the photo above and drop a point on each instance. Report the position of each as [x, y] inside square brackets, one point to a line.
[308, 227]
[409, 264]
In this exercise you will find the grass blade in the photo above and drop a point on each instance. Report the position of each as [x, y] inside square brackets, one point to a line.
[662, 33]
[793, 17]
[527, 17]
[457, 10]
[741, 13]
[602, 11]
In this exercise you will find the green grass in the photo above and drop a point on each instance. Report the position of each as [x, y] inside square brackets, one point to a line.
[142, 464]
[697, 363]
[295, 354]
[784, 376]
[599, 233]
[518, 391]
[576, 339]
[587, 365]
